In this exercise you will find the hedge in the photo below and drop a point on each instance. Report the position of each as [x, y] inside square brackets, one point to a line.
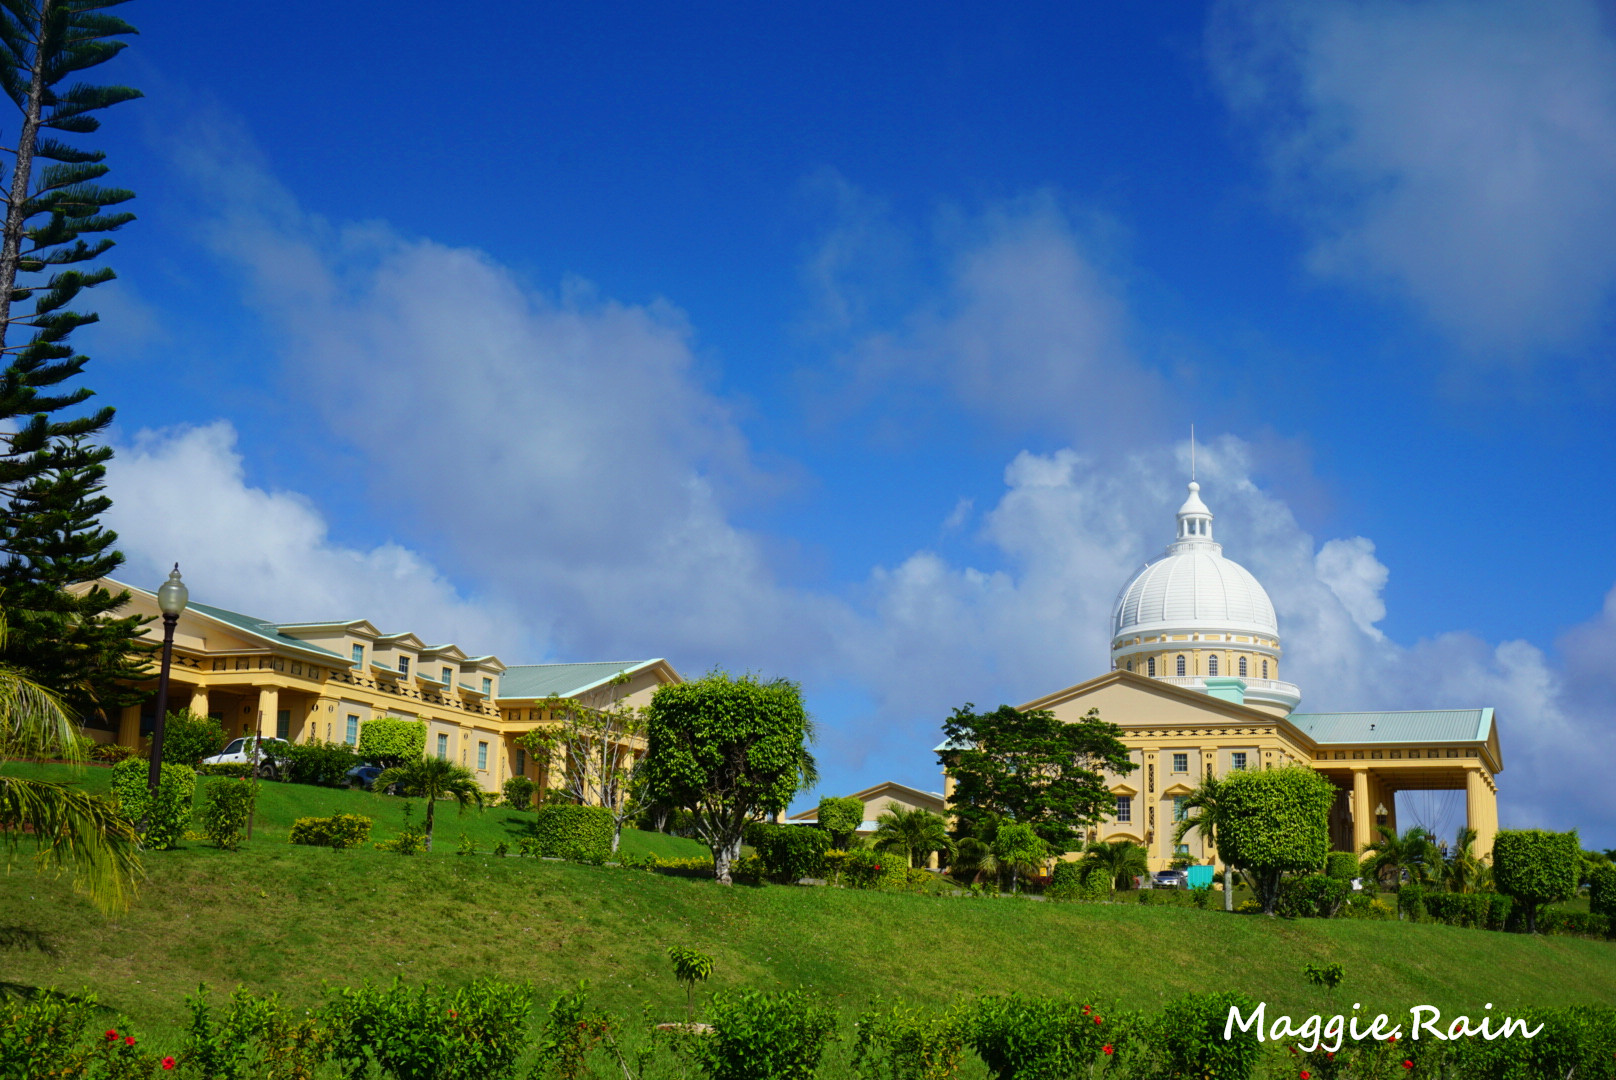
[789, 852]
[167, 820]
[322, 763]
[583, 833]
[1602, 892]
[339, 831]
[1341, 865]
[388, 740]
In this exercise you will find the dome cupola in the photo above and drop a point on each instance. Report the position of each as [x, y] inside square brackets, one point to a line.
[1192, 615]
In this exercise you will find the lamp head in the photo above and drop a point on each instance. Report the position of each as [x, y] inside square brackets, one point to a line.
[173, 594]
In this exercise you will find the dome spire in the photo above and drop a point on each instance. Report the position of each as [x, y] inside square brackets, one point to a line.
[1194, 519]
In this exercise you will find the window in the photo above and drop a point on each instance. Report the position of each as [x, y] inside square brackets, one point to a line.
[403, 665]
[1182, 849]
[1211, 665]
[1150, 666]
[359, 655]
[482, 757]
[352, 737]
[1265, 669]
[283, 723]
[448, 676]
[1242, 667]
[1178, 807]
[488, 687]
[443, 747]
[1130, 665]
[1238, 758]
[521, 763]
[1124, 809]
[1181, 762]
[1181, 671]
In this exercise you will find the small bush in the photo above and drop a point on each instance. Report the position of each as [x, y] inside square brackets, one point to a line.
[518, 792]
[234, 770]
[903, 1042]
[1248, 907]
[1572, 923]
[111, 753]
[1077, 879]
[1411, 901]
[841, 818]
[1313, 897]
[1166, 898]
[765, 1036]
[339, 831]
[1191, 1033]
[390, 741]
[188, 738]
[1602, 892]
[476, 1032]
[579, 833]
[1201, 896]
[50, 1034]
[226, 806]
[1341, 865]
[1037, 1038]
[256, 1036]
[322, 763]
[167, 819]
[789, 852]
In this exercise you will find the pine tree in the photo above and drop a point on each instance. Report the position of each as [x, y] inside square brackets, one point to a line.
[50, 475]
[53, 539]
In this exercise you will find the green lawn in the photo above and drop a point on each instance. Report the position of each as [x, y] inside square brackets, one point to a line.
[283, 918]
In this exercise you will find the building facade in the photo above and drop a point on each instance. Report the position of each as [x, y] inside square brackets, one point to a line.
[1195, 687]
[326, 680]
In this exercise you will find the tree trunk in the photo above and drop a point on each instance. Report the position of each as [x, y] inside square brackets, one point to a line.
[21, 173]
[617, 833]
[725, 852]
[1228, 887]
[431, 805]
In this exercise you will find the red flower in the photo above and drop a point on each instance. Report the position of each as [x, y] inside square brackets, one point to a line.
[168, 1063]
[1330, 1054]
[112, 1036]
[130, 1041]
[1096, 1019]
[1086, 1010]
[1306, 1075]
[1109, 1050]
[1391, 1038]
[1407, 1064]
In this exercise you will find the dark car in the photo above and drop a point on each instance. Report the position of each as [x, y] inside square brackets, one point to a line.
[363, 775]
[1169, 879]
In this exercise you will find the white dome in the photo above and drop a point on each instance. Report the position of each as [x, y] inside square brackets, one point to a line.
[1196, 589]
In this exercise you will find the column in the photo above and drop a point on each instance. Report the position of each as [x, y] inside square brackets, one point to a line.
[1363, 811]
[129, 726]
[269, 703]
[1481, 810]
[199, 700]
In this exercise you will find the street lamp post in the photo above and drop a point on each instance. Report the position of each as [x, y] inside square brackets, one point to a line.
[171, 598]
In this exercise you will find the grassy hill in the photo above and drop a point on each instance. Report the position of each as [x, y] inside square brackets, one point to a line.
[284, 918]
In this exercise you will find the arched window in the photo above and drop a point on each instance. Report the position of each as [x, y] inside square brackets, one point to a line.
[1211, 665]
[1130, 665]
[1150, 666]
[1181, 665]
[1242, 667]
[1265, 669]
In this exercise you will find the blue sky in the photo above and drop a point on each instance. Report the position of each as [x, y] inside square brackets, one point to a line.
[862, 347]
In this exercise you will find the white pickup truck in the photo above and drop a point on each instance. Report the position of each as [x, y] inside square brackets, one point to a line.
[271, 754]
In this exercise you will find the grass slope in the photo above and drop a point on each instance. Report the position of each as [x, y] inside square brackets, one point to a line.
[283, 918]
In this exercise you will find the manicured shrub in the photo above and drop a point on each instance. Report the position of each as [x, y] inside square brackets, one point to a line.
[389, 741]
[189, 737]
[1341, 865]
[1191, 1037]
[581, 833]
[1459, 909]
[1314, 897]
[1274, 822]
[226, 806]
[1602, 892]
[1411, 901]
[841, 818]
[758, 1035]
[476, 1032]
[518, 792]
[322, 763]
[111, 753]
[166, 818]
[338, 831]
[789, 852]
[1076, 879]
[1572, 923]
[1037, 1038]
[897, 1041]
[1536, 868]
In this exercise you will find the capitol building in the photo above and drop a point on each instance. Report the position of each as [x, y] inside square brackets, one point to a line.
[1197, 687]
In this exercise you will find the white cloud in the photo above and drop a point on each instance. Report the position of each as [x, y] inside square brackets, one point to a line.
[1461, 154]
[1352, 572]
[181, 494]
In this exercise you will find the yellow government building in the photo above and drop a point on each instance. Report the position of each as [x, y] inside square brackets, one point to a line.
[325, 680]
[1196, 688]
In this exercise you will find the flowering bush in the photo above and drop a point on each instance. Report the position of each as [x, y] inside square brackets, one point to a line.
[56, 1035]
[338, 831]
[1038, 1038]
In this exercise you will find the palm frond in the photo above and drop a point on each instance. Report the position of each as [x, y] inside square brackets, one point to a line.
[75, 833]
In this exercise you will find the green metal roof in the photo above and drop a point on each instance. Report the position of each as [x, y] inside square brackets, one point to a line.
[1419, 726]
[561, 680]
[266, 630]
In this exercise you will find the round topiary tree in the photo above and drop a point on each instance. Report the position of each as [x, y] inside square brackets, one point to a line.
[1536, 868]
[1275, 821]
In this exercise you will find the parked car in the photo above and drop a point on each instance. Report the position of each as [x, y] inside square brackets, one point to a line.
[363, 775]
[1169, 879]
[271, 754]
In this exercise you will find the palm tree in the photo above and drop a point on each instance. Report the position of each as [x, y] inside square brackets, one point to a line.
[432, 779]
[1205, 825]
[1414, 853]
[974, 859]
[72, 831]
[1465, 872]
[916, 832]
[1119, 860]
